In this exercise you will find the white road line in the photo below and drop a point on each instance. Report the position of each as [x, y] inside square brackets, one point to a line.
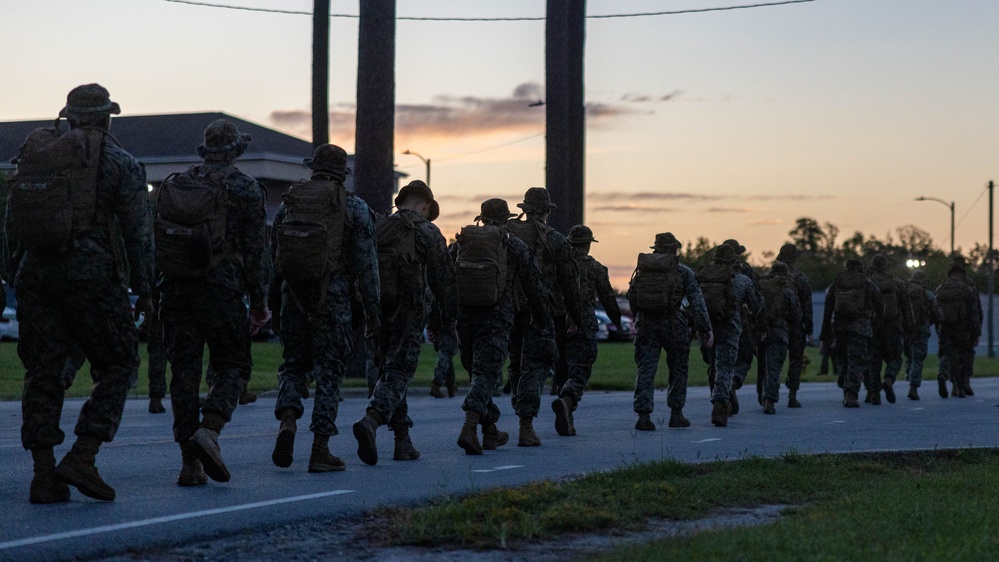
[707, 440]
[499, 468]
[835, 421]
[165, 519]
[917, 409]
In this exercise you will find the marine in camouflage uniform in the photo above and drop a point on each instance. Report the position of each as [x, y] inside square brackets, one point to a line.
[925, 313]
[749, 339]
[849, 337]
[799, 334]
[657, 331]
[78, 295]
[446, 346]
[959, 329]
[316, 324]
[774, 337]
[534, 352]
[484, 334]
[210, 310]
[581, 347]
[402, 323]
[156, 364]
[887, 343]
[745, 299]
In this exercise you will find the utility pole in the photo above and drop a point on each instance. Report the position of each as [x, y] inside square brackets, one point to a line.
[374, 174]
[565, 111]
[992, 273]
[320, 72]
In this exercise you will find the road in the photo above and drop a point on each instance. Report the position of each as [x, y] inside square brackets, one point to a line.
[143, 461]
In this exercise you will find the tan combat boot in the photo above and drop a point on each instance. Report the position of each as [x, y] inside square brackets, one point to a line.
[321, 460]
[850, 399]
[563, 416]
[191, 471]
[468, 439]
[156, 405]
[913, 392]
[45, 486]
[206, 442]
[792, 399]
[719, 414]
[528, 438]
[768, 406]
[644, 422]
[676, 418]
[436, 391]
[492, 437]
[404, 449]
[364, 432]
[733, 402]
[888, 385]
[78, 469]
[284, 445]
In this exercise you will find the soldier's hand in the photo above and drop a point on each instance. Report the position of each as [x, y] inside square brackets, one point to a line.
[259, 317]
[145, 305]
[708, 340]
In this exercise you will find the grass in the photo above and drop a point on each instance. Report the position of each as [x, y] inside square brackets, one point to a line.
[938, 505]
[614, 370]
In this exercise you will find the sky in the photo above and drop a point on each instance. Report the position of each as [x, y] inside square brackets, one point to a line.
[727, 124]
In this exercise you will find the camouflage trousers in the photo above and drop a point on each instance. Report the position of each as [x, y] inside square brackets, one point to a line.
[771, 357]
[653, 335]
[156, 348]
[55, 315]
[561, 373]
[581, 353]
[748, 344]
[957, 356]
[484, 340]
[74, 363]
[796, 341]
[722, 357]
[532, 360]
[195, 314]
[852, 350]
[317, 343]
[915, 354]
[446, 348]
[886, 347]
[400, 343]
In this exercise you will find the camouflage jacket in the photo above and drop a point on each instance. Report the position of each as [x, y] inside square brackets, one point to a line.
[747, 298]
[694, 309]
[360, 257]
[522, 269]
[929, 309]
[559, 271]
[778, 328]
[123, 222]
[804, 290]
[861, 326]
[904, 318]
[594, 285]
[432, 251]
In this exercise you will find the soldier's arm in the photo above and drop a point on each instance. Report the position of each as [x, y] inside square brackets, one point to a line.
[905, 304]
[753, 298]
[805, 302]
[877, 302]
[605, 293]
[793, 308]
[695, 300]
[825, 334]
[935, 313]
[440, 277]
[568, 279]
[362, 251]
[135, 223]
[256, 246]
[530, 278]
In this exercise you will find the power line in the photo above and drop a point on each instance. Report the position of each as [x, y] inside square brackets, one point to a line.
[490, 148]
[980, 195]
[428, 18]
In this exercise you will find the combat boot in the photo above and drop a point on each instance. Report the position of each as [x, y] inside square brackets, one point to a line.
[191, 471]
[719, 414]
[284, 446]
[733, 402]
[435, 391]
[913, 392]
[875, 398]
[206, 442]
[676, 418]
[768, 406]
[966, 385]
[563, 416]
[850, 399]
[321, 460]
[452, 390]
[78, 469]
[247, 397]
[528, 438]
[644, 423]
[888, 385]
[404, 449]
[958, 390]
[364, 432]
[45, 486]
[468, 439]
[942, 387]
[156, 405]
[492, 437]
[792, 399]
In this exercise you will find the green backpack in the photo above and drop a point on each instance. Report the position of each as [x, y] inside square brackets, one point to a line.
[481, 268]
[889, 296]
[399, 267]
[851, 296]
[952, 298]
[53, 195]
[533, 234]
[309, 241]
[716, 285]
[656, 285]
[190, 223]
[774, 306]
[920, 304]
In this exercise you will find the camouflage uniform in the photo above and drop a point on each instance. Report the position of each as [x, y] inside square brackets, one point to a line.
[773, 347]
[156, 349]
[886, 344]
[916, 341]
[850, 337]
[446, 348]
[958, 339]
[749, 339]
[798, 334]
[210, 309]
[78, 295]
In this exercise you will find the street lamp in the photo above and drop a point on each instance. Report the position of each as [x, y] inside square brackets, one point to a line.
[951, 206]
[425, 161]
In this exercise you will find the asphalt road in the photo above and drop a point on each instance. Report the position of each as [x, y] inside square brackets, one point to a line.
[143, 461]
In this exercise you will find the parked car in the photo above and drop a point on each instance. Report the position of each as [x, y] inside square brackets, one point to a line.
[609, 332]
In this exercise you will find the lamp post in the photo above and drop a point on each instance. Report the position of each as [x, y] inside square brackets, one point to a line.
[425, 161]
[949, 205]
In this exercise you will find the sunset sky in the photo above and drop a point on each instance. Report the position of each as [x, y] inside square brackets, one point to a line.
[720, 124]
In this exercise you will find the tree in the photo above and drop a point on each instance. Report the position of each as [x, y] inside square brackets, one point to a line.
[807, 235]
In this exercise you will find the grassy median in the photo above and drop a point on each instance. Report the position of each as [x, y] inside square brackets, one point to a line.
[938, 505]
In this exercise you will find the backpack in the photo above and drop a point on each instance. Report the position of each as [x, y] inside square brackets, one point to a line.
[889, 296]
[656, 285]
[952, 296]
[920, 304]
[851, 295]
[190, 224]
[399, 266]
[309, 241]
[533, 234]
[774, 306]
[53, 195]
[716, 285]
[481, 268]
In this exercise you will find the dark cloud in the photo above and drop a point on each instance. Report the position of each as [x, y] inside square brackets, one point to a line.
[652, 196]
[727, 210]
[633, 209]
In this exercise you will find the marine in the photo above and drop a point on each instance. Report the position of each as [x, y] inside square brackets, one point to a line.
[886, 345]
[799, 335]
[781, 310]
[925, 313]
[960, 329]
